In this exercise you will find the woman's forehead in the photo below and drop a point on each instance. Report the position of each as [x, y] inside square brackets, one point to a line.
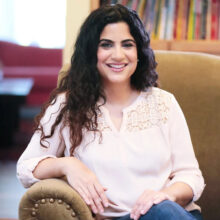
[119, 30]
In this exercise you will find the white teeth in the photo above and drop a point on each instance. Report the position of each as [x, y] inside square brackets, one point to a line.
[117, 66]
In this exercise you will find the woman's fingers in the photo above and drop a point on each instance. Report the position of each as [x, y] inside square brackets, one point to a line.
[85, 194]
[97, 192]
[146, 201]
[143, 204]
[88, 195]
[141, 210]
[96, 198]
[154, 201]
[101, 192]
[91, 197]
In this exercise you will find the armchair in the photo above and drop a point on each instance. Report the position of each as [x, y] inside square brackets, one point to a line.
[53, 199]
[194, 79]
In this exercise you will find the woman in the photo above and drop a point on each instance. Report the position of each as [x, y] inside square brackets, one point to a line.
[126, 145]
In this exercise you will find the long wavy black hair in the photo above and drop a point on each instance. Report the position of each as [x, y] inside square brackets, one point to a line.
[82, 84]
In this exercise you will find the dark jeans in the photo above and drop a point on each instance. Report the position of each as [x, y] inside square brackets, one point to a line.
[167, 210]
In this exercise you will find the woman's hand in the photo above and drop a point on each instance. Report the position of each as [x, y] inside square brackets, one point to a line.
[85, 183]
[146, 201]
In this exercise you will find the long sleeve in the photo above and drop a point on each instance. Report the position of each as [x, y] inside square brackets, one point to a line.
[34, 152]
[185, 167]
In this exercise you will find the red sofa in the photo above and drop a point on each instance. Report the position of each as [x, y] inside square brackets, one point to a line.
[40, 64]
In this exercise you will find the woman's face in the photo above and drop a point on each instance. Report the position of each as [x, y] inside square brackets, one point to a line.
[117, 54]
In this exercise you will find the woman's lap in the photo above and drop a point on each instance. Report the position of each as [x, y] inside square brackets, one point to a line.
[167, 210]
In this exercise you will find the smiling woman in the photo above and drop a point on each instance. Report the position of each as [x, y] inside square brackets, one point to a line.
[126, 145]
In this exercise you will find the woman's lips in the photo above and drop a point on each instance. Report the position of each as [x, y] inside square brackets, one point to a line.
[117, 67]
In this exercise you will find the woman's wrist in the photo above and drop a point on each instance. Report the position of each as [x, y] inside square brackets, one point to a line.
[171, 196]
[179, 192]
[65, 165]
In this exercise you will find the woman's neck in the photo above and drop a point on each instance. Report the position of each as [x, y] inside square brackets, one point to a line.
[120, 95]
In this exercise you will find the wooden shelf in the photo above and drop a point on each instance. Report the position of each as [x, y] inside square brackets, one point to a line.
[160, 44]
[204, 46]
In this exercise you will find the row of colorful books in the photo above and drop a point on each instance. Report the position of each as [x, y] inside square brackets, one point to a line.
[178, 19]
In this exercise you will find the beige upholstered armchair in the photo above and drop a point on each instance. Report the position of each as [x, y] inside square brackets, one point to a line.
[194, 79]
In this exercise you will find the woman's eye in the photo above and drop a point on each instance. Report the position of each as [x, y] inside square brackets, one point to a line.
[105, 45]
[128, 45]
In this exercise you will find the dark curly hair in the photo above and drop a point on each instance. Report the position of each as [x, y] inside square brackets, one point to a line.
[82, 83]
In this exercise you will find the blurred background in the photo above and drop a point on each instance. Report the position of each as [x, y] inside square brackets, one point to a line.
[33, 38]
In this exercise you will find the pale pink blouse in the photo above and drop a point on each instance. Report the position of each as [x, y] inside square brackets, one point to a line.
[151, 150]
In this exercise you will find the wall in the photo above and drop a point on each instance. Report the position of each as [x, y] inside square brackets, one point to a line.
[76, 12]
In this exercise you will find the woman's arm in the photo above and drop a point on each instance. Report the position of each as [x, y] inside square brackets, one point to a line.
[34, 152]
[186, 181]
[185, 167]
[38, 162]
[180, 193]
[78, 176]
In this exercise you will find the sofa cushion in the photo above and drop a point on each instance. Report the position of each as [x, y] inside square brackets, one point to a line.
[45, 78]
[37, 98]
[13, 54]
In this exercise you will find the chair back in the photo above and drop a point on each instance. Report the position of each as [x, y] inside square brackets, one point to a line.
[194, 79]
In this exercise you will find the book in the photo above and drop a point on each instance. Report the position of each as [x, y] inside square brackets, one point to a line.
[219, 21]
[214, 20]
[185, 19]
[218, 18]
[208, 20]
[179, 24]
[170, 20]
[175, 19]
[198, 10]
[151, 18]
[113, 1]
[124, 2]
[134, 5]
[157, 19]
[162, 23]
[146, 16]
[141, 8]
[129, 3]
[190, 31]
[203, 19]
[166, 5]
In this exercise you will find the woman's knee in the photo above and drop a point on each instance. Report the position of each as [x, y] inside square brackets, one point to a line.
[167, 206]
[167, 210]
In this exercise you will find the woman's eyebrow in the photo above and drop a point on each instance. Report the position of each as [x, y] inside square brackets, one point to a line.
[106, 40]
[128, 40]
[124, 41]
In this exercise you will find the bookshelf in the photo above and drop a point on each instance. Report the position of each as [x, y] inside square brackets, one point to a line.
[210, 45]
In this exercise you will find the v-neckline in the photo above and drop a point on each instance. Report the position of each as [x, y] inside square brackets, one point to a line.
[109, 120]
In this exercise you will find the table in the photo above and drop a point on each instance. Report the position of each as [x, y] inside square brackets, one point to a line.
[13, 93]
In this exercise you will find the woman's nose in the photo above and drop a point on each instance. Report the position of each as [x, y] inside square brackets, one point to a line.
[118, 53]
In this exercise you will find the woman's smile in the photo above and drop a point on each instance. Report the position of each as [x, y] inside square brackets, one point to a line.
[117, 67]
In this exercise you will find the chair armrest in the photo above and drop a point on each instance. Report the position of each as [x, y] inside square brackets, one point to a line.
[53, 199]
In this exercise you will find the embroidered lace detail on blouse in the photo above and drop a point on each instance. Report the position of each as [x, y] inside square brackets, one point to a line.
[151, 111]
[102, 124]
